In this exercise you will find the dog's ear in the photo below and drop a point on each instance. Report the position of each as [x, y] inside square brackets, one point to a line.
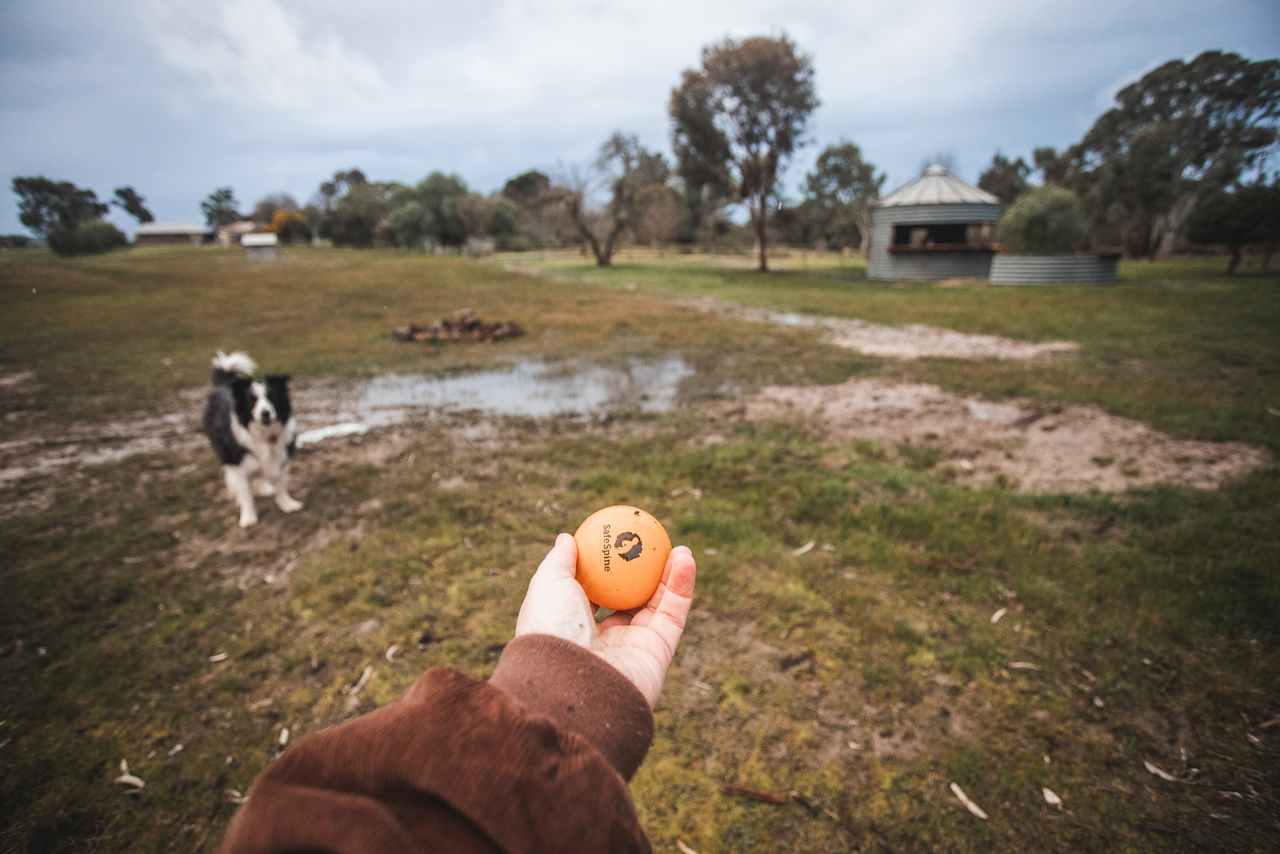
[278, 394]
[240, 394]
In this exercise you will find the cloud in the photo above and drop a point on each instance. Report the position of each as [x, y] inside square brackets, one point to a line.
[179, 97]
[253, 55]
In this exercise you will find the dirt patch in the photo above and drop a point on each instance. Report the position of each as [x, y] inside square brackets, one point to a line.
[1033, 447]
[95, 444]
[914, 341]
[12, 381]
[43, 449]
[43, 454]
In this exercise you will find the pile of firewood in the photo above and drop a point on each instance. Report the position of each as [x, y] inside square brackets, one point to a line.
[463, 326]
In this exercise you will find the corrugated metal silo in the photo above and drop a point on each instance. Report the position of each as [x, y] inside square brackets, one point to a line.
[935, 227]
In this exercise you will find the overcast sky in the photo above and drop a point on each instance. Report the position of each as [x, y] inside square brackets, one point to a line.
[176, 98]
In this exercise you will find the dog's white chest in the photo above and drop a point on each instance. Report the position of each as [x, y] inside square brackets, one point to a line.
[268, 445]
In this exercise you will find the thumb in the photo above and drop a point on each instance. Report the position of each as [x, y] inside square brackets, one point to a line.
[561, 561]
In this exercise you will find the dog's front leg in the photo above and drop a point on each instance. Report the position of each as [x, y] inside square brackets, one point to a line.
[284, 500]
[238, 485]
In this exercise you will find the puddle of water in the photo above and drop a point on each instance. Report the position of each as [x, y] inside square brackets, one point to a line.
[531, 388]
[791, 318]
[913, 341]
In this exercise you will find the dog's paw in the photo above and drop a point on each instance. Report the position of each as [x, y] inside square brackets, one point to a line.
[264, 489]
[288, 503]
[247, 521]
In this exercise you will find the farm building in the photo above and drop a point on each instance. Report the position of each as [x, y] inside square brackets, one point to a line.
[260, 247]
[231, 234]
[935, 227]
[170, 234]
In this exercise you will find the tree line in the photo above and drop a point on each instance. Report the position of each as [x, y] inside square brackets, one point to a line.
[70, 218]
[1181, 156]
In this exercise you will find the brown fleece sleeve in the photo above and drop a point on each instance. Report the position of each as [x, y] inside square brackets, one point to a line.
[521, 763]
[582, 693]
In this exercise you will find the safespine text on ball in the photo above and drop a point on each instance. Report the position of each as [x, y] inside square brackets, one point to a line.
[622, 552]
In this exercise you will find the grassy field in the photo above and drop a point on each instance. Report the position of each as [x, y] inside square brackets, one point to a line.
[864, 675]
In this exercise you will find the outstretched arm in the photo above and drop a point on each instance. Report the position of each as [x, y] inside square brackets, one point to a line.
[535, 759]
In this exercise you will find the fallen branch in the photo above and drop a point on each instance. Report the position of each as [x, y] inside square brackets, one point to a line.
[790, 661]
[463, 326]
[778, 799]
[754, 794]
[814, 809]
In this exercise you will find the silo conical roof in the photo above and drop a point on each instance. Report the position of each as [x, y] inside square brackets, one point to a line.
[937, 187]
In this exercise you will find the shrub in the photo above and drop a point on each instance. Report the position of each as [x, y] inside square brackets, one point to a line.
[87, 238]
[1249, 215]
[290, 226]
[409, 224]
[354, 219]
[1044, 221]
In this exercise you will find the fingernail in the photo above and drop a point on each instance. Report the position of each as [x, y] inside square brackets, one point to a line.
[563, 539]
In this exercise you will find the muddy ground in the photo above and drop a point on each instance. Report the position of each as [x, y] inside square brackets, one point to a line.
[909, 341]
[880, 613]
[1029, 446]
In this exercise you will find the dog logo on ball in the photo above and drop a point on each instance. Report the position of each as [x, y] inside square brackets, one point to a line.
[633, 551]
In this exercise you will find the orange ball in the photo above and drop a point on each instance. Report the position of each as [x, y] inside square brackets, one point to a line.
[622, 551]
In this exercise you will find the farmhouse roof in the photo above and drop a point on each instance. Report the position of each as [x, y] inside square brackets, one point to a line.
[937, 187]
[172, 228]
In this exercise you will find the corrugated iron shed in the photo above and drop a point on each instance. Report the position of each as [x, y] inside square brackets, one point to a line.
[937, 187]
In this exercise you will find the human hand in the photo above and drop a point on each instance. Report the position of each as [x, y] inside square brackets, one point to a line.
[639, 644]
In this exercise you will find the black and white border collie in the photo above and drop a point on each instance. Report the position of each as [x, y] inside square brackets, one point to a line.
[251, 428]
